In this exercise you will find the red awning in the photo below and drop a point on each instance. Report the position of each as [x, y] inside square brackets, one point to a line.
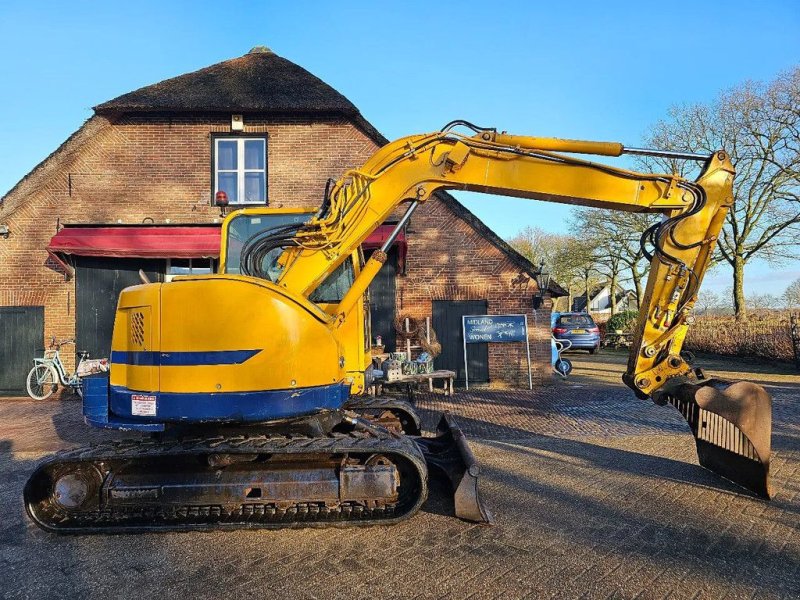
[191, 241]
[380, 235]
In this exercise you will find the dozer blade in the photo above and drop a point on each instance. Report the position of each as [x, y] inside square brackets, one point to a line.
[732, 426]
[450, 453]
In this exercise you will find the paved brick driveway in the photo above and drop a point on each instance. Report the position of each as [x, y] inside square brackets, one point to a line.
[596, 495]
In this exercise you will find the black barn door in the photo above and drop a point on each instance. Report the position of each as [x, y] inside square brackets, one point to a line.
[21, 339]
[99, 282]
[447, 324]
[382, 301]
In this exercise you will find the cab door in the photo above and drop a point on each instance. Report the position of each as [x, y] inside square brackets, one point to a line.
[354, 333]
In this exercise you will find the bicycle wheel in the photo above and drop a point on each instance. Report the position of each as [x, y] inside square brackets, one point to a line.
[42, 382]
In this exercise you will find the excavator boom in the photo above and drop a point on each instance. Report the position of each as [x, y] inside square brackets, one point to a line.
[412, 169]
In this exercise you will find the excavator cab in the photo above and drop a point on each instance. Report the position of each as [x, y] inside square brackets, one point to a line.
[243, 228]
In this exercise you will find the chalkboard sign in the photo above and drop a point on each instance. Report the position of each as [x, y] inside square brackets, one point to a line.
[484, 329]
[480, 329]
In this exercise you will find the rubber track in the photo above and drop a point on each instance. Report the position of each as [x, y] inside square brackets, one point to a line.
[250, 516]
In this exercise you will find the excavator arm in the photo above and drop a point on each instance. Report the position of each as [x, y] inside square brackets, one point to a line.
[731, 422]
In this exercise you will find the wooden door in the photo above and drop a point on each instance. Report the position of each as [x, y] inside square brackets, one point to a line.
[382, 300]
[98, 284]
[448, 326]
[21, 339]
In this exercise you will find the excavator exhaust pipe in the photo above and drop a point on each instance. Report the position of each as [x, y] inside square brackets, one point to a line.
[450, 454]
[732, 427]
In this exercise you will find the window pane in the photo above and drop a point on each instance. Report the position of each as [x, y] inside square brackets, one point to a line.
[229, 183]
[179, 266]
[580, 320]
[254, 154]
[254, 188]
[336, 285]
[226, 154]
[242, 228]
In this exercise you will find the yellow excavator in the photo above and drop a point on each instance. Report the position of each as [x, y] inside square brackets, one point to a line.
[251, 381]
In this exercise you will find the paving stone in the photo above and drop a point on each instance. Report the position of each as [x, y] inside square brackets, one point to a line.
[596, 495]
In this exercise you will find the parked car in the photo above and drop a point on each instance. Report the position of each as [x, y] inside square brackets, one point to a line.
[578, 328]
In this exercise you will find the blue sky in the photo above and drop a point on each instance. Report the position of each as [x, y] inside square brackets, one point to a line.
[595, 70]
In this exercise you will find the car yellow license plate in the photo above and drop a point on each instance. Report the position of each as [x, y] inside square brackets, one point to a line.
[578, 331]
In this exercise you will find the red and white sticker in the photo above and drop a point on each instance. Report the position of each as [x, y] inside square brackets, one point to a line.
[143, 406]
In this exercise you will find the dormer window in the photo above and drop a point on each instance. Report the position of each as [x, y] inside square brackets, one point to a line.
[240, 169]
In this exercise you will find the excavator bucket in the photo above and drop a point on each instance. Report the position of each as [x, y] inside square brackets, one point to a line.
[732, 426]
[450, 454]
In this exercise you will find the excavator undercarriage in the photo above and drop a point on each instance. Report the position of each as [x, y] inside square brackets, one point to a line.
[360, 473]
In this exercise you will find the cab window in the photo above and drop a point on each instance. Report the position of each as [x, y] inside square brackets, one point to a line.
[336, 285]
[244, 228]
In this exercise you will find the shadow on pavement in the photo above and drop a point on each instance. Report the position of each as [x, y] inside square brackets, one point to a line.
[605, 457]
[17, 533]
[680, 538]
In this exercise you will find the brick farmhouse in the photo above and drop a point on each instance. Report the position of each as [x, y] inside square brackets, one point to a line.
[147, 166]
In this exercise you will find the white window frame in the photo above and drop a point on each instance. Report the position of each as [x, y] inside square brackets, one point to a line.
[240, 170]
[194, 263]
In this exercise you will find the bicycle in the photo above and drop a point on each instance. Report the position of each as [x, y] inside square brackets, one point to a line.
[48, 371]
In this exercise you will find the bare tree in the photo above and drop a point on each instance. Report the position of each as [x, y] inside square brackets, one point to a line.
[707, 301]
[759, 125]
[538, 245]
[589, 224]
[554, 250]
[617, 238]
[762, 301]
[791, 297]
[576, 264]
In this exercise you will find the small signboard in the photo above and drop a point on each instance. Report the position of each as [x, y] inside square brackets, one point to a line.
[486, 329]
[495, 328]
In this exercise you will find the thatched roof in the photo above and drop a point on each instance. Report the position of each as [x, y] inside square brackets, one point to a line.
[260, 81]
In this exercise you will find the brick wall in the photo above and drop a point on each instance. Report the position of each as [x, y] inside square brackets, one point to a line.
[449, 260]
[158, 166]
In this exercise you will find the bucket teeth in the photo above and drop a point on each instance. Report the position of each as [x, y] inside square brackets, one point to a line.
[732, 426]
[450, 454]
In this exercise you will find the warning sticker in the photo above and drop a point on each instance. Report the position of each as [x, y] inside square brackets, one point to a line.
[143, 406]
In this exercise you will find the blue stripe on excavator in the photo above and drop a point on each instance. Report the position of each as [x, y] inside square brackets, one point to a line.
[109, 407]
[182, 359]
[251, 407]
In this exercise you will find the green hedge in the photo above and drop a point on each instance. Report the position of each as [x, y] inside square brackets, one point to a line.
[625, 321]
